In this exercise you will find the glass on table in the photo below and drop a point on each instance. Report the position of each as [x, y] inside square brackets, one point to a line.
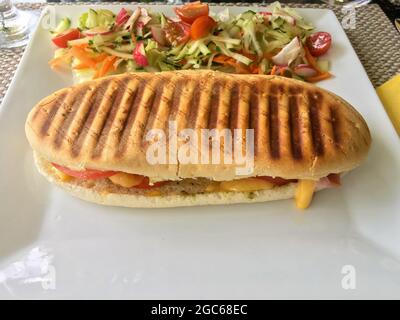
[15, 25]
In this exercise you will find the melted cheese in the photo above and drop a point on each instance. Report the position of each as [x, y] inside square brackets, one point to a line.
[153, 193]
[126, 180]
[246, 185]
[62, 176]
[213, 187]
[304, 193]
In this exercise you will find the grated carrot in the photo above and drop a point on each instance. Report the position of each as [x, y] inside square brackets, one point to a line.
[81, 66]
[221, 58]
[107, 66]
[83, 56]
[273, 71]
[311, 60]
[100, 57]
[254, 69]
[57, 62]
[319, 77]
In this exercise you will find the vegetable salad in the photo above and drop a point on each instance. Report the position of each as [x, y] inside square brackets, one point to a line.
[276, 41]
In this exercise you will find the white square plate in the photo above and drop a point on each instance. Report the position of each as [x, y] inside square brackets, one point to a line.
[55, 246]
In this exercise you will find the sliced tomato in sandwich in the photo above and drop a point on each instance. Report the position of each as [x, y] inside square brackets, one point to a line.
[85, 174]
[145, 184]
[334, 178]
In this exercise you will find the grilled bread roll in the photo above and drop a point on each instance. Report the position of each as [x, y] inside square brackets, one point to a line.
[301, 132]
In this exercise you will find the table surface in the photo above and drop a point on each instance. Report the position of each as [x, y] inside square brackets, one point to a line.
[390, 7]
[376, 41]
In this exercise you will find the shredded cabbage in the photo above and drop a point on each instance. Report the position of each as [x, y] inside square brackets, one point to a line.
[99, 18]
[62, 26]
[249, 39]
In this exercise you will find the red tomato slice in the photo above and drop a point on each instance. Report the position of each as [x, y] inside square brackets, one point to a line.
[319, 43]
[85, 174]
[191, 11]
[61, 40]
[177, 32]
[277, 181]
[201, 27]
[145, 184]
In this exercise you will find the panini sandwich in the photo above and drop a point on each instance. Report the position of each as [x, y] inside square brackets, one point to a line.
[92, 139]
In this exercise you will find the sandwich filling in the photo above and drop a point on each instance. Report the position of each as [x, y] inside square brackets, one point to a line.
[127, 183]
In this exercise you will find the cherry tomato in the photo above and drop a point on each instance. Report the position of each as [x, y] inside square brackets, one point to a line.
[319, 43]
[177, 32]
[277, 181]
[145, 184]
[61, 40]
[201, 27]
[191, 11]
[85, 174]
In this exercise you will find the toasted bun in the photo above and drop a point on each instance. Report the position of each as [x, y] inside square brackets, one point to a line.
[301, 131]
[165, 201]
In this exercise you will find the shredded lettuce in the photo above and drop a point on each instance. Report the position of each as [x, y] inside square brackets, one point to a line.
[62, 26]
[323, 65]
[158, 60]
[131, 66]
[99, 18]
[82, 21]
[91, 20]
[105, 18]
[163, 20]
[151, 44]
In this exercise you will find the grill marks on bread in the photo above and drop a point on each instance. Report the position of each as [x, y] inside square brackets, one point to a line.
[110, 117]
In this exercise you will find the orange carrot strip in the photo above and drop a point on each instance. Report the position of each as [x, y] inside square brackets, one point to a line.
[311, 60]
[241, 68]
[230, 62]
[80, 53]
[319, 77]
[221, 59]
[81, 66]
[107, 66]
[100, 57]
[57, 62]
[254, 68]
[249, 55]
[273, 71]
